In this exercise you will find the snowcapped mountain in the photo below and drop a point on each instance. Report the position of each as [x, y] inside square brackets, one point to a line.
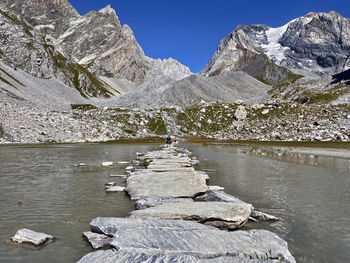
[317, 44]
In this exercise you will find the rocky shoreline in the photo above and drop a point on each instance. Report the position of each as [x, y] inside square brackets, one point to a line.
[180, 218]
[273, 121]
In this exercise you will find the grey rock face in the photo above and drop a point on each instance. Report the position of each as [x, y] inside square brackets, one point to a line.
[239, 52]
[22, 47]
[161, 239]
[97, 240]
[219, 214]
[193, 90]
[26, 236]
[111, 56]
[240, 113]
[315, 44]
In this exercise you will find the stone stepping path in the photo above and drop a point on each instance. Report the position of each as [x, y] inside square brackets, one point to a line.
[172, 198]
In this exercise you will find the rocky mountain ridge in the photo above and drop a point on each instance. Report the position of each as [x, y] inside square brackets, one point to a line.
[317, 44]
[96, 41]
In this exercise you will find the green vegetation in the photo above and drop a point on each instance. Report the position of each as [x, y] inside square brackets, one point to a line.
[261, 79]
[324, 97]
[157, 126]
[292, 77]
[13, 78]
[7, 82]
[73, 71]
[19, 22]
[2, 133]
[211, 119]
[83, 107]
[329, 96]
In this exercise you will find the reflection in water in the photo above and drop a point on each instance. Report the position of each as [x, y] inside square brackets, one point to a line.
[312, 202]
[341, 164]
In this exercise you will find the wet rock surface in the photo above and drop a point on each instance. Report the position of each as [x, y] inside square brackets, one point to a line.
[160, 239]
[97, 240]
[154, 201]
[219, 214]
[169, 174]
[27, 236]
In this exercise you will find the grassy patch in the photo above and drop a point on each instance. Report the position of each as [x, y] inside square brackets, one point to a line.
[7, 82]
[157, 126]
[92, 86]
[210, 119]
[328, 96]
[83, 107]
[2, 133]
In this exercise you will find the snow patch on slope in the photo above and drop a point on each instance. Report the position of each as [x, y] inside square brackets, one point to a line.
[273, 49]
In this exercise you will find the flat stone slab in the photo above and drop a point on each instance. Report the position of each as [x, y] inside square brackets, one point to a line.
[97, 240]
[153, 240]
[220, 196]
[143, 184]
[154, 201]
[115, 256]
[219, 214]
[26, 236]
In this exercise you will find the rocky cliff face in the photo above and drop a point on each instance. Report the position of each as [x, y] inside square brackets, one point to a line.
[96, 40]
[316, 44]
[22, 47]
[239, 52]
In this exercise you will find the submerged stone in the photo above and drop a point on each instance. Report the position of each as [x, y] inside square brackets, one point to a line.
[27, 236]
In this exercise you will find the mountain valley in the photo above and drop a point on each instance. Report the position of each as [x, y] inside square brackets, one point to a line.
[71, 78]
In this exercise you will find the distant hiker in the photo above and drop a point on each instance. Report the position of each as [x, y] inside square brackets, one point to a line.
[175, 140]
[168, 140]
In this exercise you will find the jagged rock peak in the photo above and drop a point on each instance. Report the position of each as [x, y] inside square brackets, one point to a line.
[32, 8]
[108, 10]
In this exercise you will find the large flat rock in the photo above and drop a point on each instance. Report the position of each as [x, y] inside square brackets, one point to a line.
[143, 184]
[115, 256]
[220, 196]
[154, 240]
[219, 214]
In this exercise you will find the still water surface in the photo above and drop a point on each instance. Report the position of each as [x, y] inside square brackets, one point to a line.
[57, 198]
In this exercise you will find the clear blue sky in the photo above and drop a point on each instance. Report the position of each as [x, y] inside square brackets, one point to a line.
[190, 30]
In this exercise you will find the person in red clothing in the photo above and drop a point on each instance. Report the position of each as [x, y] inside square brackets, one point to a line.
[175, 140]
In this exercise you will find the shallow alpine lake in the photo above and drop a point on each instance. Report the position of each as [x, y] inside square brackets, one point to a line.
[43, 190]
